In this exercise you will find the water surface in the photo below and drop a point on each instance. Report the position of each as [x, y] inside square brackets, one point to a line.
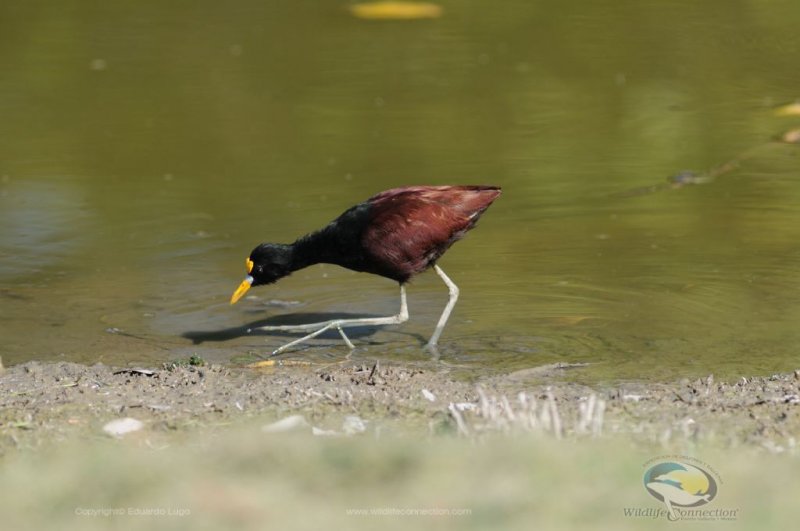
[144, 150]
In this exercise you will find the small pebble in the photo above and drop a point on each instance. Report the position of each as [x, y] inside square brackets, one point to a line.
[120, 427]
[632, 397]
[428, 395]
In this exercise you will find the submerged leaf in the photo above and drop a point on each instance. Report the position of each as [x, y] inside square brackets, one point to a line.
[396, 10]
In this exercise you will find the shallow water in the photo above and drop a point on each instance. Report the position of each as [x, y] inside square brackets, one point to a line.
[144, 151]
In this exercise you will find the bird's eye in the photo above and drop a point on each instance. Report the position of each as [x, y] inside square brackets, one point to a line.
[249, 264]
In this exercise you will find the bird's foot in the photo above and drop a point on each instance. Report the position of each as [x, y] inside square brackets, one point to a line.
[337, 324]
[316, 329]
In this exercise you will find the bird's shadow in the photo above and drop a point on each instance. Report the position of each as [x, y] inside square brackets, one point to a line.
[253, 328]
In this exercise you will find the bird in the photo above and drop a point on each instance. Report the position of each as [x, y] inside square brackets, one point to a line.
[396, 234]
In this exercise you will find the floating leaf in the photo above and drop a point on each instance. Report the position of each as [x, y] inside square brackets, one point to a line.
[792, 109]
[396, 10]
[791, 136]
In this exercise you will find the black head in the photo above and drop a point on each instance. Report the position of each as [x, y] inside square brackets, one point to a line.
[270, 262]
[267, 263]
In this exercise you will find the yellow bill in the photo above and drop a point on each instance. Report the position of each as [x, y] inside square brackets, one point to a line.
[246, 283]
[242, 289]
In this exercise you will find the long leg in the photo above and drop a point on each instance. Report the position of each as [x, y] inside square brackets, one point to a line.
[340, 325]
[453, 289]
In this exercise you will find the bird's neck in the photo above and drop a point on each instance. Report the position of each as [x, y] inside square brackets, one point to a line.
[315, 248]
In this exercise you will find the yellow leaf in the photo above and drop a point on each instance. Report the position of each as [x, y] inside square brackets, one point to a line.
[261, 364]
[277, 363]
[792, 109]
[396, 10]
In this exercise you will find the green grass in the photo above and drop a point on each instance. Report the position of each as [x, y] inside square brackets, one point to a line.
[191, 361]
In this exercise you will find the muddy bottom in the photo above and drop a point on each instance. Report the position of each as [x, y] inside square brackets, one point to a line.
[42, 403]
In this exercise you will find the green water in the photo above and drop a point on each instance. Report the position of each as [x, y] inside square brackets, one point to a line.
[145, 149]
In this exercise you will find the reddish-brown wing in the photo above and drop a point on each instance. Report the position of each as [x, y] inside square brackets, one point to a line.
[467, 199]
[411, 227]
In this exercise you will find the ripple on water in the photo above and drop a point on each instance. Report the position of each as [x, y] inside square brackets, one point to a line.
[43, 222]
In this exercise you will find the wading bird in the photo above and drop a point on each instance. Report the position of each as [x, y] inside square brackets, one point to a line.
[396, 234]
